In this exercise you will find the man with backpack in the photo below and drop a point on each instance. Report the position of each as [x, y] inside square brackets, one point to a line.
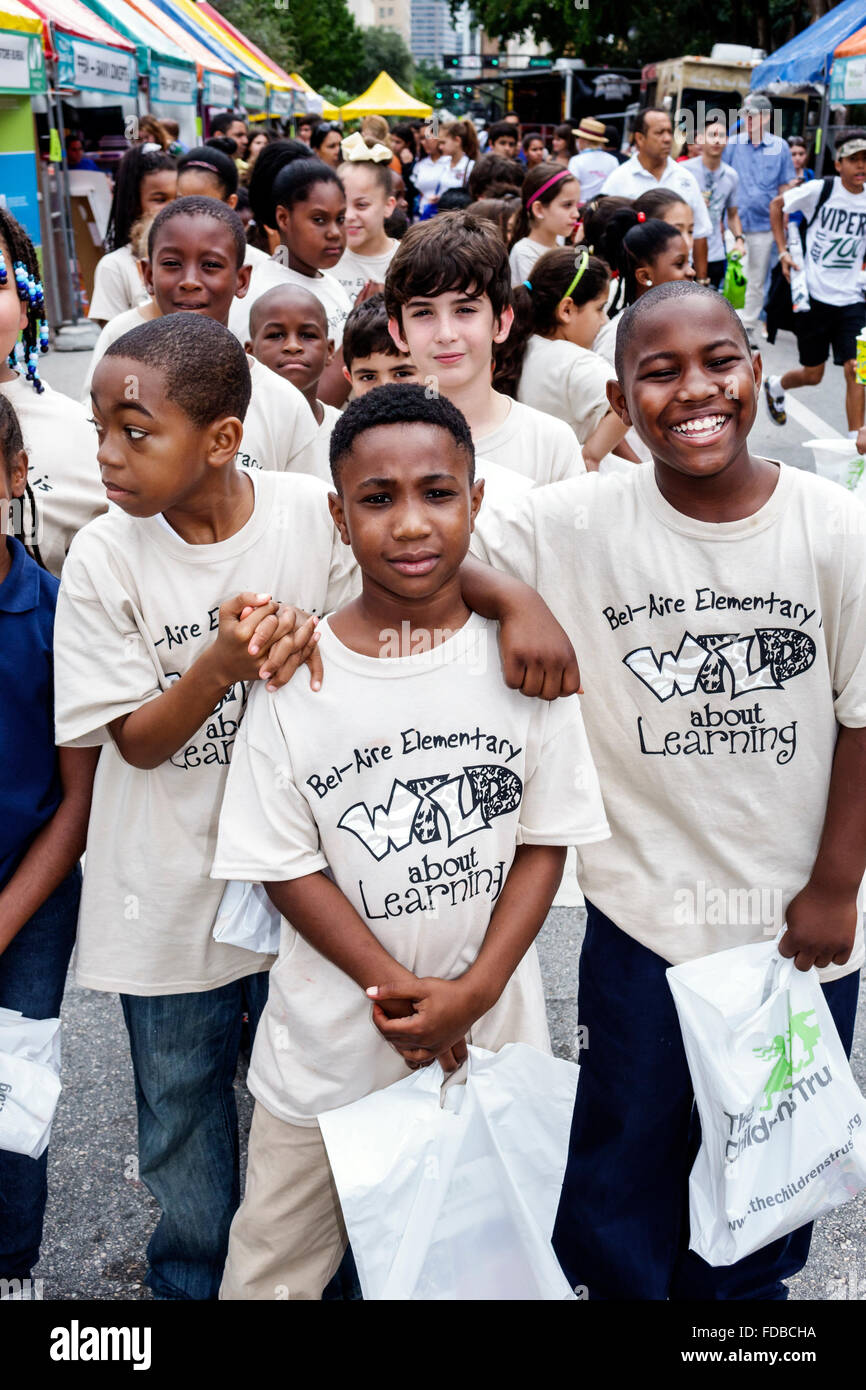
[834, 245]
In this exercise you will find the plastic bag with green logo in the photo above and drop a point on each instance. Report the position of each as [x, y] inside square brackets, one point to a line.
[783, 1123]
[734, 285]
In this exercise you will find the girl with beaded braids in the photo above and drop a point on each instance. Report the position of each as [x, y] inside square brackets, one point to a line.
[63, 490]
[145, 182]
[547, 359]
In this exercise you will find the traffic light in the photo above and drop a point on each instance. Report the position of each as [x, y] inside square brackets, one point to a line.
[438, 96]
[494, 62]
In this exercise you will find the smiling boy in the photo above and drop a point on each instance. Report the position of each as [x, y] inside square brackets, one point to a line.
[718, 601]
[444, 851]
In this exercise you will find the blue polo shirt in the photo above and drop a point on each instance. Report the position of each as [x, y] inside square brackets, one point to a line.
[29, 777]
[762, 169]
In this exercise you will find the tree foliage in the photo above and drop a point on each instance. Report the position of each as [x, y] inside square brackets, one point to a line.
[384, 48]
[318, 38]
[625, 33]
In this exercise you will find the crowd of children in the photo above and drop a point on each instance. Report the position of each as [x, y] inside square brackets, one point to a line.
[542, 454]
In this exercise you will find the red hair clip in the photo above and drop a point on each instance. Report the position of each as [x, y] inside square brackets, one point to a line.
[641, 217]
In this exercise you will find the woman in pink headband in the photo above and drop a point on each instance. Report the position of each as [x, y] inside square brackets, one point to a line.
[546, 219]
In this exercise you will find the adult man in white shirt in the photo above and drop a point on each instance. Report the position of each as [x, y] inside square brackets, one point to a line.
[652, 167]
[592, 164]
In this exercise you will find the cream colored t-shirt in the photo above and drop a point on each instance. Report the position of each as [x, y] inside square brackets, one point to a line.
[271, 273]
[63, 471]
[137, 606]
[279, 427]
[541, 447]
[567, 381]
[414, 778]
[111, 331]
[717, 661]
[117, 285]
[522, 257]
[321, 457]
[354, 271]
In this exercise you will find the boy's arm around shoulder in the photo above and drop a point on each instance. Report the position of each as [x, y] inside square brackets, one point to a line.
[537, 655]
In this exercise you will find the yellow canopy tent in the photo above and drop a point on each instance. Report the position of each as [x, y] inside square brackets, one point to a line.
[384, 98]
[330, 113]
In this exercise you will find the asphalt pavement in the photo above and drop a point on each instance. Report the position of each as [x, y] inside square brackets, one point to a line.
[100, 1215]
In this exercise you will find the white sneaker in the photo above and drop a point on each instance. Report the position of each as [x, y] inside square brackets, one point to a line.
[775, 398]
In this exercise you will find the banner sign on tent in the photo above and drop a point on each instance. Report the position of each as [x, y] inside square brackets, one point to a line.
[848, 80]
[281, 103]
[93, 68]
[218, 90]
[174, 86]
[253, 94]
[22, 68]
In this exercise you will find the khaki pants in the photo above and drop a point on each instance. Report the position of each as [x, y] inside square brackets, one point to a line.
[288, 1235]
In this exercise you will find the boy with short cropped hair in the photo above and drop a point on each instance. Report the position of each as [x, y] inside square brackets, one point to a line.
[444, 841]
[153, 660]
[289, 335]
[370, 355]
[720, 601]
[448, 296]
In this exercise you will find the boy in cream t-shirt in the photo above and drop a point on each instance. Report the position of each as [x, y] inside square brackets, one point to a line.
[153, 659]
[718, 601]
[448, 294]
[441, 803]
[289, 336]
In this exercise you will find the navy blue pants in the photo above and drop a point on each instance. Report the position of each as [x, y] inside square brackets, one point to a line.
[622, 1230]
[32, 976]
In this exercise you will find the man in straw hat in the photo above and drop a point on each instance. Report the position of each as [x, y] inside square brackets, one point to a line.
[592, 164]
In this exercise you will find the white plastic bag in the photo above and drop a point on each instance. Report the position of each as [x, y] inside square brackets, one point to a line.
[248, 918]
[454, 1195]
[29, 1081]
[838, 460]
[783, 1122]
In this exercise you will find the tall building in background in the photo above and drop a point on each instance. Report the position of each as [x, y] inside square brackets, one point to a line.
[363, 12]
[433, 31]
[384, 14]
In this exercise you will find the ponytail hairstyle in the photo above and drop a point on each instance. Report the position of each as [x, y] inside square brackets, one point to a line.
[629, 240]
[566, 133]
[126, 201]
[566, 272]
[499, 211]
[656, 201]
[293, 183]
[12, 443]
[464, 131]
[213, 162]
[18, 259]
[554, 176]
[272, 159]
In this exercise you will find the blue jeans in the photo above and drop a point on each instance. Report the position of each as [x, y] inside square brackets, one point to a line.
[622, 1229]
[184, 1055]
[32, 976]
